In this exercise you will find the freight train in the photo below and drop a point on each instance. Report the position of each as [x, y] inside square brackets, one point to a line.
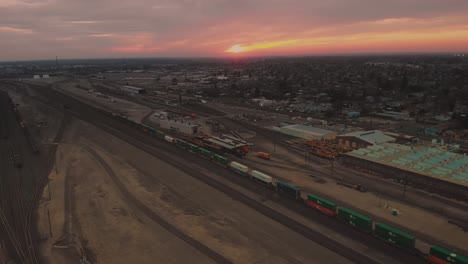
[398, 238]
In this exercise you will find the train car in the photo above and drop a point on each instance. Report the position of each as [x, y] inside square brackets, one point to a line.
[160, 134]
[323, 205]
[193, 148]
[239, 168]
[439, 255]
[168, 138]
[394, 236]
[288, 190]
[223, 161]
[261, 177]
[152, 131]
[205, 153]
[357, 220]
[182, 144]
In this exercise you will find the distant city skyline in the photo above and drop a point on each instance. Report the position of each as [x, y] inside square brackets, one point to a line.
[43, 29]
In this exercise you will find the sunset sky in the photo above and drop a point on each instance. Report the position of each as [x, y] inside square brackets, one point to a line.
[43, 29]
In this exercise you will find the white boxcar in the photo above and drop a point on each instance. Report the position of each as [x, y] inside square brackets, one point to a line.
[169, 139]
[238, 167]
[261, 176]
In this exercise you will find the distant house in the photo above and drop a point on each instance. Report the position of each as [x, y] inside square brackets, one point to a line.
[362, 139]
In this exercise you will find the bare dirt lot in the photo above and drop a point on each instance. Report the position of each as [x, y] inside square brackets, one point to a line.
[90, 215]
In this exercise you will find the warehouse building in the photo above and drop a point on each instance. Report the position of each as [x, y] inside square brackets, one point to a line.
[132, 89]
[179, 126]
[307, 132]
[362, 139]
[394, 115]
[434, 169]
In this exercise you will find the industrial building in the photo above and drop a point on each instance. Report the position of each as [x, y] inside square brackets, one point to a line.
[394, 115]
[434, 168]
[229, 142]
[362, 139]
[132, 89]
[307, 132]
[179, 126]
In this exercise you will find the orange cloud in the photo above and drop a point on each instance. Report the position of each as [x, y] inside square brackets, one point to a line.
[258, 46]
[16, 30]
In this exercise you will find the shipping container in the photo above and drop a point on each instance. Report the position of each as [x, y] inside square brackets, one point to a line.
[288, 189]
[182, 144]
[323, 205]
[204, 153]
[169, 139]
[221, 160]
[447, 256]
[239, 168]
[160, 134]
[359, 221]
[262, 177]
[436, 260]
[394, 236]
[193, 148]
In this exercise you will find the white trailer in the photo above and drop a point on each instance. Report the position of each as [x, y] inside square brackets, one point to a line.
[261, 177]
[169, 139]
[239, 167]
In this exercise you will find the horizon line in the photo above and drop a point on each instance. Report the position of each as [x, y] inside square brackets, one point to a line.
[242, 56]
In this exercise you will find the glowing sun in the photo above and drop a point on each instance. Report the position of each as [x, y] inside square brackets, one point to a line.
[236, 49]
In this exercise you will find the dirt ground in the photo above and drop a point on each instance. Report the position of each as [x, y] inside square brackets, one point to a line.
[90, 218]
[94, 217]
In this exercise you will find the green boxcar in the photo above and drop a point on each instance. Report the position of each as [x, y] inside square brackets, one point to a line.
[221, 160]
[160, 134]
[359, 221]
[447, 255]
[194, 148]
[288, 189]
[394, 236]
[322, 202]
[182, 144]
[205, 153]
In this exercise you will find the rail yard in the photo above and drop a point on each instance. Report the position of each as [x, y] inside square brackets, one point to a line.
[210, 182]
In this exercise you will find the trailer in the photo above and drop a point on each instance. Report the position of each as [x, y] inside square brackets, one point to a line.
[261, 177]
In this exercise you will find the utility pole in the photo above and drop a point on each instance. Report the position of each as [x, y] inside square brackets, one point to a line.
[50, 226]
[404, 186]
[274, 142]
[333, 158]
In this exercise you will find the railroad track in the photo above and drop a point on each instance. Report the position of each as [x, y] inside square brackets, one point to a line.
[13, 209]
[154, 216]
[144, 142]
[26, 197]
